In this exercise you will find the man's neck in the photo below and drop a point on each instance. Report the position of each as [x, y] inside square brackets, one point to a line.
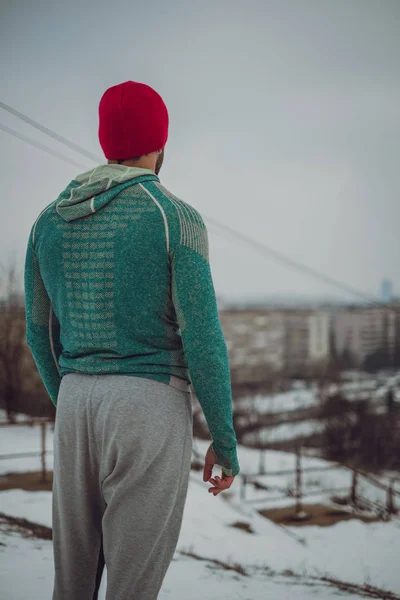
[142, 163]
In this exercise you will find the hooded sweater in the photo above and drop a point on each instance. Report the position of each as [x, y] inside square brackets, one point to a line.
[118, 280]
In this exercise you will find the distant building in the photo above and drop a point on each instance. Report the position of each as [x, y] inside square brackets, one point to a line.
[307, 340]
[319, 344]
[362, 331]
[262, 342]
[255, 341]
[387, 291]
[297, 341]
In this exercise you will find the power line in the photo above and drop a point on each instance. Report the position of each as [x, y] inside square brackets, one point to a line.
[279, 256]
[51, 133]
[42, 147]
[260, 247]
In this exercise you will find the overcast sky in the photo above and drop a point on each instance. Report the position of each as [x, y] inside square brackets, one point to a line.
[284, 123]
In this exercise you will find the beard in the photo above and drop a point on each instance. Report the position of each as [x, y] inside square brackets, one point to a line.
[159, 162]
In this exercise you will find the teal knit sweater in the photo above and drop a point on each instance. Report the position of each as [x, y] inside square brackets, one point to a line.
[118, 280]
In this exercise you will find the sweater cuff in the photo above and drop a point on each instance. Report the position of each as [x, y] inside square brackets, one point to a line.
[226, 459]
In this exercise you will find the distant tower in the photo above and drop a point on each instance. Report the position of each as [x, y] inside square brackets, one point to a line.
[387, 290]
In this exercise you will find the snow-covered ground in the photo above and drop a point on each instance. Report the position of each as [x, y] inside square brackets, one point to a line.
[303, 397]
[19, 418]
[285, 432]
[186, 579]
[281, 402]
[354, 386]
[353, 551]
[24, 439]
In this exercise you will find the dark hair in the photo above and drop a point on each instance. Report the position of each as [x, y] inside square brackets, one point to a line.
[125, 159]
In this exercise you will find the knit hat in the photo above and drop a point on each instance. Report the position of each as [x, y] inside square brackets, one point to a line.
[133, 120]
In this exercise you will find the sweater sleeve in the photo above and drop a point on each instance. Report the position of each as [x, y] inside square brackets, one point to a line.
[194, 298]
[42, 325]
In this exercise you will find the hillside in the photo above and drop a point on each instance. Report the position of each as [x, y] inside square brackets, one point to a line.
[214, 558]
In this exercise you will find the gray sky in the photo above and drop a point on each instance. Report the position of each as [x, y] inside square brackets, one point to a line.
[284, 123]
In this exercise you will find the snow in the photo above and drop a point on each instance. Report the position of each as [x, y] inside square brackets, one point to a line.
[285, 432]
[357, 552]
[350, 550]
[186, 579]
[205, 521]
[206, 518]
[34, 506]
[281, 402]
[21, 439]
[355, 386]
[19, 417]
[301, 397]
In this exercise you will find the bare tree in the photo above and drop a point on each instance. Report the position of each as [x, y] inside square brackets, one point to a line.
[12, 336]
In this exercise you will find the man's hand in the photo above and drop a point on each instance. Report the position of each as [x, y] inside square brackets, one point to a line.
[220, 483]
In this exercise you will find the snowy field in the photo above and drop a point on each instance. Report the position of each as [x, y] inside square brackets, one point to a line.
[21, 439]
[281, 402]
[352, 551]
[186, 579]
[355, 386]
[285, 432]
[359, 386]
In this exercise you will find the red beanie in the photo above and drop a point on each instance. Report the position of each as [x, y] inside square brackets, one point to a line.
[133, 120]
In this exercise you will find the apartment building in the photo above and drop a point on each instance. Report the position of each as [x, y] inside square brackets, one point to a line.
[361, 331]
[266, 341]
[319, 342]
[307, 340]
[255, 341]
[297, 341]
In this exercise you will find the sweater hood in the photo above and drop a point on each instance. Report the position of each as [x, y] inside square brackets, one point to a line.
[91, 191]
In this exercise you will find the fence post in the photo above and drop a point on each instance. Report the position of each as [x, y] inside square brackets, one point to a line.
[243, 488]
[390, 500]
[43, 428]
[299, 508]
[262, 462]
[354, 488]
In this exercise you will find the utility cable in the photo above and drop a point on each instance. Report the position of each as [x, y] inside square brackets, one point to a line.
[42, 147]
[51, 133]
[266, 250]
[260, 247]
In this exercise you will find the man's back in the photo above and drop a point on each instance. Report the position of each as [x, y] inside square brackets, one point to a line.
[108, 276]
[119, 268]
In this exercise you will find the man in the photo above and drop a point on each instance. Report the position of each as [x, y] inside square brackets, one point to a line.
[121, 318]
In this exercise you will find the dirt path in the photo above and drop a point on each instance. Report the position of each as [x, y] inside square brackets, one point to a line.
[31, 481]
[316, 514]
[25, 528]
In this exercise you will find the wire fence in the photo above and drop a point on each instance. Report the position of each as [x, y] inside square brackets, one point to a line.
[44, 424]
[385, 507]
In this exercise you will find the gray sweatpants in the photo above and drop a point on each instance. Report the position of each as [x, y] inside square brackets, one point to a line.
[122, 454]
